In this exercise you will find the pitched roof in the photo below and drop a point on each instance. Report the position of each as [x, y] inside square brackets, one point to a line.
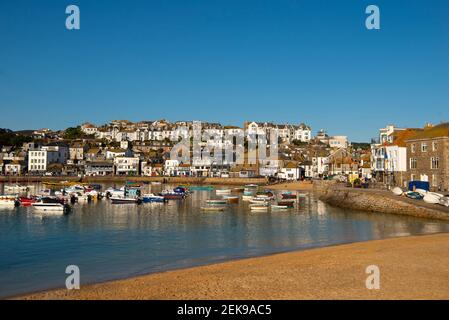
[399, 137]
[441, 130]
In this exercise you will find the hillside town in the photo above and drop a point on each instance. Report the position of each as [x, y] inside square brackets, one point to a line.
[123, 148]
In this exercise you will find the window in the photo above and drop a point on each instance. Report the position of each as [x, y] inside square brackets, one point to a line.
[412, 177]
[413, 163]
[434, 163]
[434, 146]
[413, 147]
[424, 147]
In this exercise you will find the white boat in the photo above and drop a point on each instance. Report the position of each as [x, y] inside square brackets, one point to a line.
[247, 198]
[8, 201]
[223, 191]
[432, 198]
[259, 207]
[49, 207]
[260, 200]
[277, 207]
[397, 191]
[156, 183]
[444, 201]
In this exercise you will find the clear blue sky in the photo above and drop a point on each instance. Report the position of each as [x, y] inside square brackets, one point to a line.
[225, 60]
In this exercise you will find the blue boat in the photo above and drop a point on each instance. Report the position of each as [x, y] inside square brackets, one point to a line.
[148, 198]
[414, 195]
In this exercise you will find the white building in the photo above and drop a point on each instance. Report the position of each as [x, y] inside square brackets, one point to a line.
[127, 166]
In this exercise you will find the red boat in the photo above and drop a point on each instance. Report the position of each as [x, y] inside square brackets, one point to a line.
[289, 204]
[288, 196]
[27, 201]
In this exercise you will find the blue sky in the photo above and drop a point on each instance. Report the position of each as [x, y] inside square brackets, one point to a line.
[286, 61]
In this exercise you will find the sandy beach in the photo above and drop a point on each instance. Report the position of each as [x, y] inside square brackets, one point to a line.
[410, 268]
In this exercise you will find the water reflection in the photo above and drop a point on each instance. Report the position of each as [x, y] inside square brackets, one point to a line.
[112, 241]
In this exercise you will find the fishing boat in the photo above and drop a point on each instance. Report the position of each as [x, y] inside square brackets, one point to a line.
[216, 201]
[213, 208]
[397, 191]
[289, 195]
[414, 195]
[171, 195]
[151, 197]
[9, 201]
[125, 200]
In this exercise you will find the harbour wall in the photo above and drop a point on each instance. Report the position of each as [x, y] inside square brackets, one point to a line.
[120, 179]
[376, 201]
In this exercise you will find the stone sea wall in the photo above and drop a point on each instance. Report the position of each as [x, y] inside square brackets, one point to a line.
[376, 201]
[119, 179]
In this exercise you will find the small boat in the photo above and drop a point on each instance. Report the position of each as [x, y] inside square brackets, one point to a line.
[223, 191]
[148, 198]
[216, 201]
[286, 203]
[247, 197]
[50, 207]
[9, 201]
[289, 195]
[259, 207]
[257, 200]
[432, 198]
[444, 201]
[232, 199]
[414, 195]
[239, 190]
[213, 208]
[201, 188]
[397, 191]
[278, 207]
[123, 200]
[156, 183]
[27, 201]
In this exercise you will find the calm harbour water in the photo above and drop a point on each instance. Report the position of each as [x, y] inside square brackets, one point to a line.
[116, 241]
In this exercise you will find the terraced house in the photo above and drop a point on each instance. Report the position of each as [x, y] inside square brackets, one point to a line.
[428, 156]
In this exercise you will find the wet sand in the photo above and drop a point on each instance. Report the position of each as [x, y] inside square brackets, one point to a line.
[410, 268]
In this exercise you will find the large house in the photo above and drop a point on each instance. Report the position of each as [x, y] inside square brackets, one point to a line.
[428, 156]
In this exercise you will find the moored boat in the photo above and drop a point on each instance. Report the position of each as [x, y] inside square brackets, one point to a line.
[231, 199]
[9, 201]
[148, 198]
[201, 188]
[286, 203]
[289, 195]
[259, 207]
[216, 201]
[223, 191]
[50, 207]
[27, 201]
[125, 200]
[278, 207]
